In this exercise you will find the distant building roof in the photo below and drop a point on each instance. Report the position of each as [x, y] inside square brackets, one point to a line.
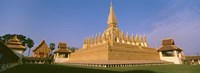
[62, 48]
[169, 47]
[42, 47]
[62, 45]
[168, 44]
[192, 57]
[14, 43]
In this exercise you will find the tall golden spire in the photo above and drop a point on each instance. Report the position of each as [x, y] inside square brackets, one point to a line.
[112, 20]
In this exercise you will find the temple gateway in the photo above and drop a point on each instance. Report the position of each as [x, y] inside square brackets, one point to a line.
[114, 47]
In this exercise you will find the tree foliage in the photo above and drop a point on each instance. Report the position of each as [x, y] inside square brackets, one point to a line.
[52, 46]
[27, 42]
[73, 49]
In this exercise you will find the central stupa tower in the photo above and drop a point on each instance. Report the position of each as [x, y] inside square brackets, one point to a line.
[113, 44]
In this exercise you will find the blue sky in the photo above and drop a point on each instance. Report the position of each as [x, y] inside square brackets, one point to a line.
[72, 20]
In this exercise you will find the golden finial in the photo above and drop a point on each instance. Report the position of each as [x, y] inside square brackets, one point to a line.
[112, 20]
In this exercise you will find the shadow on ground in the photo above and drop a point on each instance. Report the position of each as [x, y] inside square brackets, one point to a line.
[62, 69]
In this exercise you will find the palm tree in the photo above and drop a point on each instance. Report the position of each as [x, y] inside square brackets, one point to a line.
[29, 44]
[52, 47]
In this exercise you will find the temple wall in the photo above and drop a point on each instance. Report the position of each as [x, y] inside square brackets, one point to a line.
[131, 52]
[61, 60]
[116, 52]
[99, 52]
[175, 60]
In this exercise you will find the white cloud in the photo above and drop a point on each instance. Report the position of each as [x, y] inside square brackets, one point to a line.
[183, 26]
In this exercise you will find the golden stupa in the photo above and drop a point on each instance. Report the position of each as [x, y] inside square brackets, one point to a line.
[114, 46]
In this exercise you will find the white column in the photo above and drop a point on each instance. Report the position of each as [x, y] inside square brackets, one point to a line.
[199, 61]
[57, 55]
[180, 54]
[160, 53]
[175, 53]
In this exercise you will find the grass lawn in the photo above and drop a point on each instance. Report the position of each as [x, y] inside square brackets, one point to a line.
[37, 68]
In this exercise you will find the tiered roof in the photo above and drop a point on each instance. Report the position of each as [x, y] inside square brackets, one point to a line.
[62, 48]
[168, 44]
[14, 43]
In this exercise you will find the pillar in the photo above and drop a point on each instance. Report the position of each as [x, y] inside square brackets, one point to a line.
[179, 54]
[160, 53]
[57, 55]
[175, 53]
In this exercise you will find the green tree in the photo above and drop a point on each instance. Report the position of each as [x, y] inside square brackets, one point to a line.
[29, 45]
[52, 47]
[27, 42]
[6, 37]
[73, 49]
